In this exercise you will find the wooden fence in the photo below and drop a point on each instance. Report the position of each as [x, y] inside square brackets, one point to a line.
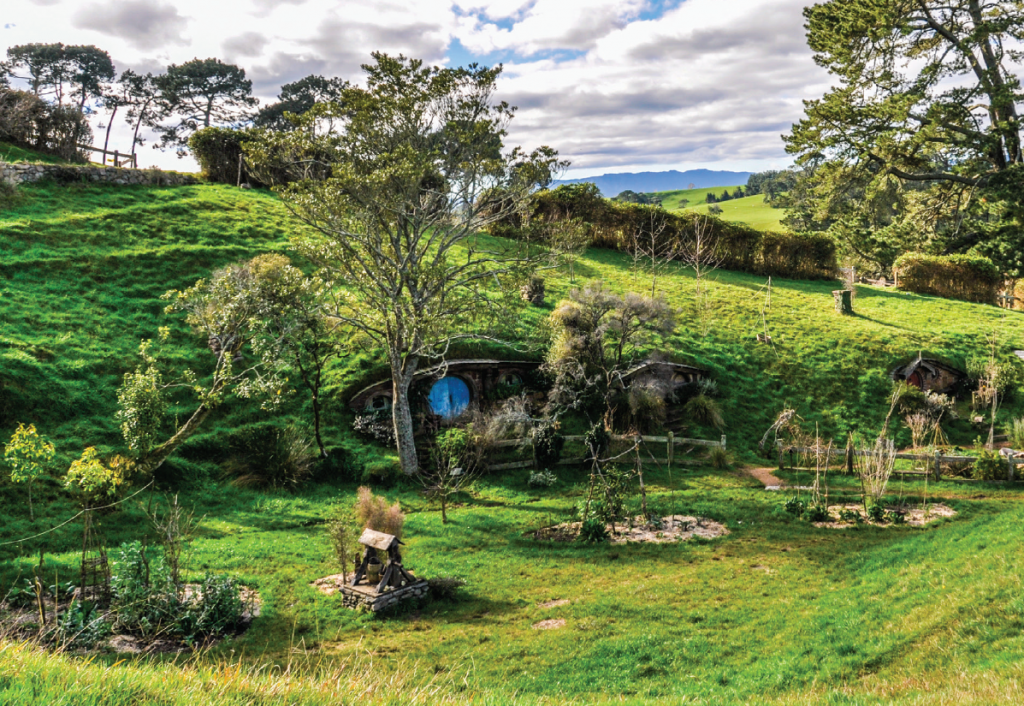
[647, 455]
[934, 461]
[119, 159]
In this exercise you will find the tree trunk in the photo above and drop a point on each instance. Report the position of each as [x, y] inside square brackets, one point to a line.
[844, 301]
[401, 414]
[155, 458]
[316, 425]
[444, 507]
[106, 140]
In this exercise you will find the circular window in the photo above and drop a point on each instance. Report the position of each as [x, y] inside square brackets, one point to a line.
[449, 397]
[510, 380]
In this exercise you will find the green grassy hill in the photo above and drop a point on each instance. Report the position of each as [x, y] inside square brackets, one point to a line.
[778, 611]
[13, 153]
[751, 210]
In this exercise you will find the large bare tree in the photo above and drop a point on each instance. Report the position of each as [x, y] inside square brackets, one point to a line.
[396, 181]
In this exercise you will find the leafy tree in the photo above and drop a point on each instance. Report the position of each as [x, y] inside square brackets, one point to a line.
[42, 65]
[91, 479]
[291, 328]
[140, 93]
[922, 122]
[29, 455]
[201, 93]
[401, 177]
[221, 310]
[89, 69]
[48, 67]
[299, 97]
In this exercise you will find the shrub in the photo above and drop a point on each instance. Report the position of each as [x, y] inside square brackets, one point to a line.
[613, 224]
[80, 626]
[848, 515]
[542, 479]
[445, 588]
[593, 530]
[21, 114]
[876, 513]
[533, 291]
[217, 150]
[990, 466]
[897, 518]
[267, 456]
[383, 474]
[968, 277]
[373, 512]
[10, 196]
[705, 411]
[817, 513]
[719, 458]
[1017, 433]
[143, 600]
[548, 443]
[795, 506]
[377, 427]
[215, 610]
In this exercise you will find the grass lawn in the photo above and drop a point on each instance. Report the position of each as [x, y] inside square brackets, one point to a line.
[778, 611]
[12, 153]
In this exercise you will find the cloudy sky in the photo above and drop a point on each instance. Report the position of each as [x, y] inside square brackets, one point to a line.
[614, 85]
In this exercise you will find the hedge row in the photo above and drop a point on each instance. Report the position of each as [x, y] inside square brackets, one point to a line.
[968, 277]
[739, 247]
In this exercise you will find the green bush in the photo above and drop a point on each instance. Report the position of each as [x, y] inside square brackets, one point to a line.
[217, 150]
[547, 444]
[705, 411]
[719, 458]
[268, 456]
[542, 479]
[968, 277]
[990, 466]
[876, 513]
[381, 474]
[445, 588]
[817, 513]
[593, 530]
[795, 506]
[740, 247]
[215, 610]
[143, 601]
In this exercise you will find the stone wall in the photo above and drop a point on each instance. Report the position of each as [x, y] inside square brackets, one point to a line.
[353, 597]
[21, 173]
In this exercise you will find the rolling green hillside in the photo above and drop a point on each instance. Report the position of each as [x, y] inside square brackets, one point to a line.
[751, 210]
[778, 611]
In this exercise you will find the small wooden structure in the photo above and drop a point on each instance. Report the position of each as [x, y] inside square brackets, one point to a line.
[930, 375]
[394, 574]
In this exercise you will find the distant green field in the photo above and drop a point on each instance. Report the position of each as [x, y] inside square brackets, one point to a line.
[751, 210]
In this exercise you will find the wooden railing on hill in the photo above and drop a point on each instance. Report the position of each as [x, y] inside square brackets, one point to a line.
[670, 441]
[120, 159]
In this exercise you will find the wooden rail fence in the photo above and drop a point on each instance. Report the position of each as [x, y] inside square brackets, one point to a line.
[670, 441]
[120, 159]
[934, 460]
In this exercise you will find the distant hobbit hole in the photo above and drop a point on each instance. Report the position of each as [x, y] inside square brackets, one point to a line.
[449, 397]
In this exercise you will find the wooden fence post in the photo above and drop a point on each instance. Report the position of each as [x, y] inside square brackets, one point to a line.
[533, 447]
[723, 442]
[1011, 467]
[117, 159]
[671, 448]
[782, 464]
[938, 465]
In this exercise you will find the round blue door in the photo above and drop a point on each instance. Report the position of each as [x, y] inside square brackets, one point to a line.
[449, 397]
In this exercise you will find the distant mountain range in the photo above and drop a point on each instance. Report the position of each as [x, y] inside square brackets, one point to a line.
[649, 182]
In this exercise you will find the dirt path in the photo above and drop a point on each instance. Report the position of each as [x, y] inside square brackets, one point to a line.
[766, 477]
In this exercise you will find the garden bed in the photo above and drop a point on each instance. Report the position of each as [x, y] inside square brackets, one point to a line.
[914, 515]
[22, 622]
[672, 528]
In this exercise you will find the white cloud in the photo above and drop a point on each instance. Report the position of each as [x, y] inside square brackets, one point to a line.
[611, 84]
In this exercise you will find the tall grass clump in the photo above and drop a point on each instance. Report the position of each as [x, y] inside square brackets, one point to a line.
[875, 468]
[373, 512]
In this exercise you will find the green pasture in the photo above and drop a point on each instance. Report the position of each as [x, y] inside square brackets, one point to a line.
[778, 611]
[751, 210]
